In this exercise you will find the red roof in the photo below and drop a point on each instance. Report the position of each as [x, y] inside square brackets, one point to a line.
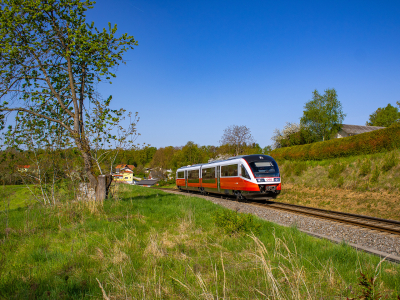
[23, 166]
[125, 166]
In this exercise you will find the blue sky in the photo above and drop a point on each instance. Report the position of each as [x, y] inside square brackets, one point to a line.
[202, 66]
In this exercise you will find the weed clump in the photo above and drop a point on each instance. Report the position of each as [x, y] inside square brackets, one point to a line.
[375, 175]
[369, 287]
[335, 170]
[233, 222]
[389, 162]
[340, 181]
[365, 168]
[299, 168]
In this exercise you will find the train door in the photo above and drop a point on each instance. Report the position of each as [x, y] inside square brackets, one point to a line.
[186, 178]
[218, 177]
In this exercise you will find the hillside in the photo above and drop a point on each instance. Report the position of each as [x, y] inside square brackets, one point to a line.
[364, 184]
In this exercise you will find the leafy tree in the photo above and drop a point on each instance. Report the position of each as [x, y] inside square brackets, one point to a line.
[281, 136]
[323, 115]
[384, 116]
[163, 158]
[51, 59]
[237, 137]
[267, 150]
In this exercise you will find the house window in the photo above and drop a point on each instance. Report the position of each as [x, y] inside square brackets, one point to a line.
[126, 177]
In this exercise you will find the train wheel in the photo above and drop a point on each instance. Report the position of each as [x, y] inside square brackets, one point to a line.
[239, 196]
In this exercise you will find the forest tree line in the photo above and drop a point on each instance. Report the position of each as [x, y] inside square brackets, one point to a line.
[55, 166]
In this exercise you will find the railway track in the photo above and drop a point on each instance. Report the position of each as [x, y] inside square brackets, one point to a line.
[383, 225]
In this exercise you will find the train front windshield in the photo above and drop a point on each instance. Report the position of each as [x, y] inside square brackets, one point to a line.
[264, 168]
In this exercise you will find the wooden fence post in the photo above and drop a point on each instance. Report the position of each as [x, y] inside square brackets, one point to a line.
[103, 185]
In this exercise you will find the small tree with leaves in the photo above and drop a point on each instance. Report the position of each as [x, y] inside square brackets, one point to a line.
[323, 115]
[51, 59]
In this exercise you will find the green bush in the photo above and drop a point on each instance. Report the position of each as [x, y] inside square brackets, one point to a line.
[389, 162]
[365, 168]
[299, 168]
[375, 174]
[335, 170]
[166, 182]
[340, 181]
[233, 222]
[366, 143]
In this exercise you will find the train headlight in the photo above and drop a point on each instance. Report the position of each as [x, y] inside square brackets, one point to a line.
[261, 180]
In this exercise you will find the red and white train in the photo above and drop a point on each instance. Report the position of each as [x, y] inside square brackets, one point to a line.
[246, 176]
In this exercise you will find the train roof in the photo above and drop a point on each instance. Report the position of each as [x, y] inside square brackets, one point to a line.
[248, 158]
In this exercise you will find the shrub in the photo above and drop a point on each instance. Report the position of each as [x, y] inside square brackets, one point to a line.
[166, 182]
[335, 170]
[288, 169]
[340, 181]
[375, 174]
[234, 222]
[366, 143]
[299, 168]
[365, 168]
[389, 162]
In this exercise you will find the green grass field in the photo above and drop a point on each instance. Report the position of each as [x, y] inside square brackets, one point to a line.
[15, 196]
[147, 244]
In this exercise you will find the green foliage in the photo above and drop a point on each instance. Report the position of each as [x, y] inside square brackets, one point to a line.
[322, 115]
[166, 182]
[340, 181]
[365, 168]
[302, 137]
[366, 143]
[385, 116]
[335, 170]
[233, 222]
[55, 58]
[389, 162]
[299, 168]
[375, 175]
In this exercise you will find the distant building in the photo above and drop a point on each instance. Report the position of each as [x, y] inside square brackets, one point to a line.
[350, 130]
[23, 168]
[124, 173]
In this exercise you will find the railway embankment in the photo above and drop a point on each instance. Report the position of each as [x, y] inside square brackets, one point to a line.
[363, 184]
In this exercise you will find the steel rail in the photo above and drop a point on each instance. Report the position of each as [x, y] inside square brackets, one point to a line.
[384, 225]
[390, 226]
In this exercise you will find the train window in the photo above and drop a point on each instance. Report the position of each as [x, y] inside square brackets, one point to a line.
[208, 175]
[230, 170]
[181, 174]
[264, 168]
[193, 176]
[244, 173]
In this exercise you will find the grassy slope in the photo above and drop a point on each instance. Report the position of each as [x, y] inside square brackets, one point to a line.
[15, 196]
[154, 245]
[368, 184]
